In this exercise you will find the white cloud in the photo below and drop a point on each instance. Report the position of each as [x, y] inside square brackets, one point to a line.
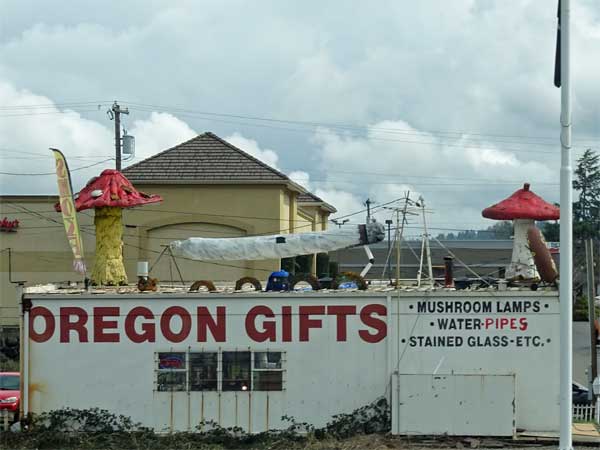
[300, 177]
[25, 137]
[159, 132]
[250, 146]
[465, 66]
[458, 177]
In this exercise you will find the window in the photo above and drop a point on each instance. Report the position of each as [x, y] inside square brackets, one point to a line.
[203, 371]
[171, 372]
[236, 371]
[9, 382]
[267, 374]
[219, 371]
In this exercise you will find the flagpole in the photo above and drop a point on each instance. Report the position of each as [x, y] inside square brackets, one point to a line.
[566, 234]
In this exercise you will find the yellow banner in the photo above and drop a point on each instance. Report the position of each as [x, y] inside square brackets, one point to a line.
[69, 213]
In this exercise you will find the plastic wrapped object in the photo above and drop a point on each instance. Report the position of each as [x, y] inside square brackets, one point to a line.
[277, 245]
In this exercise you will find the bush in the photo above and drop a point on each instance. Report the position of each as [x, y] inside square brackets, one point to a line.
[97, 428]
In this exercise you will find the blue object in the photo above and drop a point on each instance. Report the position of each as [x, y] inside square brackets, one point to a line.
[348, 285]
[279, 281]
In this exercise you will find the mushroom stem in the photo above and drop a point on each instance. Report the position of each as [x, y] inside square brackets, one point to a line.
[108, 264]
[522, 266]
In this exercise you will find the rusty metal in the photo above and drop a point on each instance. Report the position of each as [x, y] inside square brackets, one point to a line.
[202, 408]
[267, 427]
[219, 408]
[236, 409]
[189, 425]
[171, 413]
[249, 412]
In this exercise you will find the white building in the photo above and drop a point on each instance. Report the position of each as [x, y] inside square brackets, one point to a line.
[456, 362]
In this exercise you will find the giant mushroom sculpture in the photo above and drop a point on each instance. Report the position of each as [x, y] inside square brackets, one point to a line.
[523, 208]
[108, 194]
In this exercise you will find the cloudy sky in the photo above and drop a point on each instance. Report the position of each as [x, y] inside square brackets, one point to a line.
[452, 100]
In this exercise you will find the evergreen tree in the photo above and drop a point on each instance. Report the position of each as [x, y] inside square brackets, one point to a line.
[586, 210]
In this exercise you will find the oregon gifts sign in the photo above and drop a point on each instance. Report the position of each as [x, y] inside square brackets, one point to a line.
[177, 323]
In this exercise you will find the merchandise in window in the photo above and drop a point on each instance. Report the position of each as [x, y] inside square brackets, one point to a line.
[203, 371]
[236, 371]
[172, 371]
[267, 374]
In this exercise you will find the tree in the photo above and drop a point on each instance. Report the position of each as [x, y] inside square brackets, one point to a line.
[586, 210]
[501, 230]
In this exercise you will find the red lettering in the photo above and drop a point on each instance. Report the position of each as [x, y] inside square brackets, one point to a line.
[286, 323]
[268, 332]
[100, 325]
[523, 324]
[148, 333]
[341, 312]
[306, 323]
[503, 322]
[373, 322]
[206, 321]
[165, 323]
[49, 324]
[66, 326]
[488, 322]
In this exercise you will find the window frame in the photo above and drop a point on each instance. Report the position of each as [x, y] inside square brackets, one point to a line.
[219, 352]
[281, 370]
[158, 371]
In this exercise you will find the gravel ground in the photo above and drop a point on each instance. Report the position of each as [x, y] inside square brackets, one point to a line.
[383, 442]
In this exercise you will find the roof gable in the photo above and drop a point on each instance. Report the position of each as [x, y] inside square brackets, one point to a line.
[203, 159]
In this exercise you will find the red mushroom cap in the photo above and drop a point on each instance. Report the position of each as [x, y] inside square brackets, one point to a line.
[523, 204]
[111, 188]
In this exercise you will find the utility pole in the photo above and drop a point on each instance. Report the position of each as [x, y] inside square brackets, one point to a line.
[115, 113]
[589, 260]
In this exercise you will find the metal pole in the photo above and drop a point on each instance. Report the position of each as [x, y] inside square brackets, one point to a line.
[398, 249]
[427, 248]
[589, 259]
[25, 353]
[388, 259]
[566, 235]
[400, 233]
[421, 261]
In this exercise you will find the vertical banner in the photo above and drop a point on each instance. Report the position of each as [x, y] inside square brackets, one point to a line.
[69, 213]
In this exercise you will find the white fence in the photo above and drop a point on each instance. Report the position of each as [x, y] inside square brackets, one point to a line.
[6, 418]
[586, 413]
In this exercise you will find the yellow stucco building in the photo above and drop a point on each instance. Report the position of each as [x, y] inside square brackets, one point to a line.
[210, 188]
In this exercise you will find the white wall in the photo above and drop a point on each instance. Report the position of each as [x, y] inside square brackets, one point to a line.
[323, 376]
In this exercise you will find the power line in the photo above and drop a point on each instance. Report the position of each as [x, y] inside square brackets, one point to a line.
[54, 173]
[460, 134]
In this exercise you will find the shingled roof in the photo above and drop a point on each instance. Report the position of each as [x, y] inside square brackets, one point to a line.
[309, 198]
[204, 159]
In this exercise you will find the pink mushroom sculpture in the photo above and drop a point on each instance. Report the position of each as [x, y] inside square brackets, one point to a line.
[108, 194]
[523, 208]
